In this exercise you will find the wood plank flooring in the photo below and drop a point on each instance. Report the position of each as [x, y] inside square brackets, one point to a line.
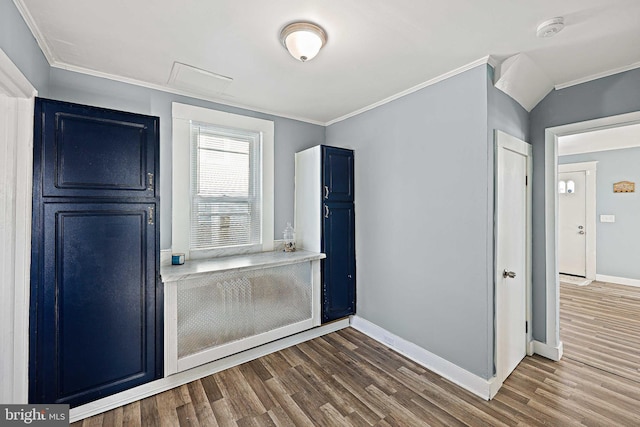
[600, 326]
[348, 379]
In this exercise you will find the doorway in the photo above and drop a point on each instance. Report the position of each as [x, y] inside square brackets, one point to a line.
[577, 219]
[553, 346]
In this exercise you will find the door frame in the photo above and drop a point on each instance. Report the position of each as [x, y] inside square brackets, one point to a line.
[553, 346]
[506, 141]
[589, 169]
[16, 166]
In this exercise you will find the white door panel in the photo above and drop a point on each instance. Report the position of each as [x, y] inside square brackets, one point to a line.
[572, 225]
[512, 252]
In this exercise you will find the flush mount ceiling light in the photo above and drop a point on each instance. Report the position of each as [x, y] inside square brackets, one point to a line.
[303, 40]
[550, 27]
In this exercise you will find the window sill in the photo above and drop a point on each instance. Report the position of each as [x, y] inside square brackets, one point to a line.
[202, 267]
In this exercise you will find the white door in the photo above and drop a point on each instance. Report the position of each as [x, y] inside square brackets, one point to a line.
[513, 161]
[572, 249]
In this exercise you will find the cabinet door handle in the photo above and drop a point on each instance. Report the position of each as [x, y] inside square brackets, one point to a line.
[326, 192]
[326, 211]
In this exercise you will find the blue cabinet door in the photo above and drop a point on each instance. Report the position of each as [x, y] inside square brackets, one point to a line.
[94, 152]
[96, 301]
[338, 268]
[96, 319]
[337, 174]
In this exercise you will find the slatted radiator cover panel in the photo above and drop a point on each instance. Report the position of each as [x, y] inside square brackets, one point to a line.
[230, 306]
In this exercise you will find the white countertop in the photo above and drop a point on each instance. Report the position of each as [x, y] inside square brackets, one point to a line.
[202, 267]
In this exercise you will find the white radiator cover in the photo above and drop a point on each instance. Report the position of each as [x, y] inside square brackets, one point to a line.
[213, 314]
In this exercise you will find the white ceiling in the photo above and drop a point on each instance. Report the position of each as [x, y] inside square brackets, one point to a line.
[375, 50]
[616, 138]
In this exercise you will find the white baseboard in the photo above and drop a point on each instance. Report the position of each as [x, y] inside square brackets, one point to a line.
[167, 383]
[479, 386]
[618, 280]
[550, 352]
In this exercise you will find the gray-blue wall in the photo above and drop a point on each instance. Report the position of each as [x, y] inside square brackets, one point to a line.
[291, 136]
[618, 243]
[608, 96]
[21, 47]
[424, 213]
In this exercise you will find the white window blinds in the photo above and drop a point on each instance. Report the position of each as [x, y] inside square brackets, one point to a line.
[226, 193]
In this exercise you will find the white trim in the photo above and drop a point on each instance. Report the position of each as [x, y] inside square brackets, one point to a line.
[619, 138]
[16, 166]
[167, 383]
[182, 114]
[551, 211]
[12, 82]
[477, 385]
[506, 141]
[618, 280]
[485, 60]
[550, 352]
[234, 347]
[598, 76]
[53, 62]
[590, 171]
[37, 34]
[167, 89]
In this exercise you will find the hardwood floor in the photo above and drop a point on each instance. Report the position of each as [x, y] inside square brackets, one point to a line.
[600, 326]
[348, 379]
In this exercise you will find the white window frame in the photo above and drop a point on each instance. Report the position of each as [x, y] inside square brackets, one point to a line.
[183, 115]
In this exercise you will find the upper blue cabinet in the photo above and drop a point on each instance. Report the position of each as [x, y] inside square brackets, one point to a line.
[337, 174]
[96, 152]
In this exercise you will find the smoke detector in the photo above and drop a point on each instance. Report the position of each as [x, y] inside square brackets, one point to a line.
[550, 27]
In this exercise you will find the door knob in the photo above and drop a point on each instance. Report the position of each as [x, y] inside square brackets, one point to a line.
[580, 227]
[581, 232]
[510, 274]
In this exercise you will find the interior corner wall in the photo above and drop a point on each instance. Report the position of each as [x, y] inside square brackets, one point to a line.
[608, 96]
[21, 47]
[423, 180]
[291, 136]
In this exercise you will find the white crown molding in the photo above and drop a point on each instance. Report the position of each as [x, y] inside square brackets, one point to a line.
[598, 76]
[485, 60]
[108, 76]
[31, 23]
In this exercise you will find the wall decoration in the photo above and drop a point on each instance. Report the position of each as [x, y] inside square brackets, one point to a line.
[624, 187]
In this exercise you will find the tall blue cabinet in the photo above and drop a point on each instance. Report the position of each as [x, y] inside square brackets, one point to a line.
[325, 222]
[96, 322]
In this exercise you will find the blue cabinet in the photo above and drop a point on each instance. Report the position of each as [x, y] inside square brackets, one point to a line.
[338, 269]
[325, 222]
[337, 174]
[96, 302]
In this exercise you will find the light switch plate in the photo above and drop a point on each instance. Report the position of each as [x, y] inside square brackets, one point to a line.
[607, 218]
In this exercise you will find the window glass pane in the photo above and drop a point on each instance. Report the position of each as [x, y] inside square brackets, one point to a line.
[226, 193]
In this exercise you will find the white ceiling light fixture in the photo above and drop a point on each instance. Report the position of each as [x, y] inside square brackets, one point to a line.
[303, 40]
[550, 27]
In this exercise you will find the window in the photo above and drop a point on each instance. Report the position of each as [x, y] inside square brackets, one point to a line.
[226, 188]
[222, 183]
